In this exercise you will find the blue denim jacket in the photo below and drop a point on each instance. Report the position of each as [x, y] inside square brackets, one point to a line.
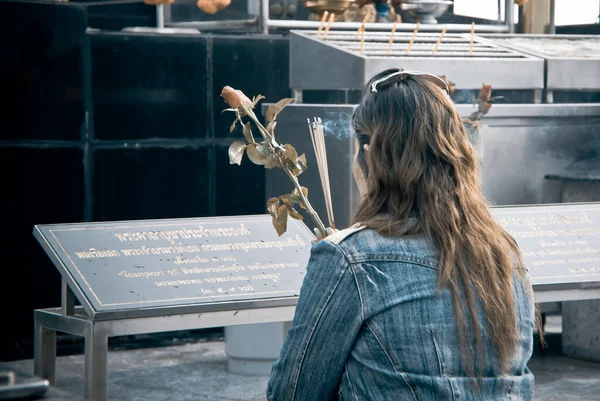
[369, 325]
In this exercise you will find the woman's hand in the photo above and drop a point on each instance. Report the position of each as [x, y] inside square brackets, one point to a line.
[320, 236]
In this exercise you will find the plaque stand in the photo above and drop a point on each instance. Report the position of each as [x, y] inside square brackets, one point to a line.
[97, 328]
[116, 283]
[581, 319]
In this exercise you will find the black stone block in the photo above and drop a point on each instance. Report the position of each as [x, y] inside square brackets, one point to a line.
[151, 184]
[41, 71]
[149, 85]
[38, 186]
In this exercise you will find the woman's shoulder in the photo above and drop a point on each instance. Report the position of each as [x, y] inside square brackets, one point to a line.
[362, 244]
[339, 236]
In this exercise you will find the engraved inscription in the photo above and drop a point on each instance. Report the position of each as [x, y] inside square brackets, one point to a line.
[168, 262]
[559, 243]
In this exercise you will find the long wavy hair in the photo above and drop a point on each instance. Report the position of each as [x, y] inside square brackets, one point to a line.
[420, 164]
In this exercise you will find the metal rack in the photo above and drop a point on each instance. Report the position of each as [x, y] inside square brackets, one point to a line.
[572, 62]
[337, 63]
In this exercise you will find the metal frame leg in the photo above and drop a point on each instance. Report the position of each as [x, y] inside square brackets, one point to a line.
[297, 94]
[44, 351]
[96, 350]
[549, 96]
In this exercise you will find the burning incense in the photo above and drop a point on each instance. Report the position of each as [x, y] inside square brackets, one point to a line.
[439, 41]
[318, 140]
[329, 23]
[392, 37]
[414, 35]
[362, 41]
[472, 37]
[323, 19]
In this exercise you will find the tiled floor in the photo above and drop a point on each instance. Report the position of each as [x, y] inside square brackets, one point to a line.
[198, 372]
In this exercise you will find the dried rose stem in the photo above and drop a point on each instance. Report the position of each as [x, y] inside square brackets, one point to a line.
[392, 38]
[472, 37]
[439, 41]
[323, 19]
[329, 23]
[309, 208]
[413, 37]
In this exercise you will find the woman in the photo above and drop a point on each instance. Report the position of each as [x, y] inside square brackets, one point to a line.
[425, 297]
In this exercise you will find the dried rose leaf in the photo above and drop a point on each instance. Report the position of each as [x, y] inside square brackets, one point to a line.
[247, 130]
[272, 200]
[290, 153]
[256, 99]
[451, 85]
[295, 215]
[255, 155]
[302, 162]
[296, 198]
[271, 162]
[233, 125]
[275, 109]
[272, 206]
[236, 152]
[286, 199]
[271, 128]
[280, 223]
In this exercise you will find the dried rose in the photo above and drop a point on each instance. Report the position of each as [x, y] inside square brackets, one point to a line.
[485, 95]
[451, 85]
[234, 98]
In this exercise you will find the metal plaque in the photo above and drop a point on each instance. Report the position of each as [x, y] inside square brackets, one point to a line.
[560, 243]
[160, 263]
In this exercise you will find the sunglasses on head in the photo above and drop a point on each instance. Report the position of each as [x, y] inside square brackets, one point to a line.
[444, 84]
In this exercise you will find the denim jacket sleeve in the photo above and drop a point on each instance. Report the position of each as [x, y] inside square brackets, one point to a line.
[327, 320]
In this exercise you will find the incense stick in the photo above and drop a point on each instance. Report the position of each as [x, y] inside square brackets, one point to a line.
[413, 37]
[364, 20]
[392, 38]
[329, 23]
[362, 41]
[472, 37]
[318, 140]
[439, 41]
[323, 19]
